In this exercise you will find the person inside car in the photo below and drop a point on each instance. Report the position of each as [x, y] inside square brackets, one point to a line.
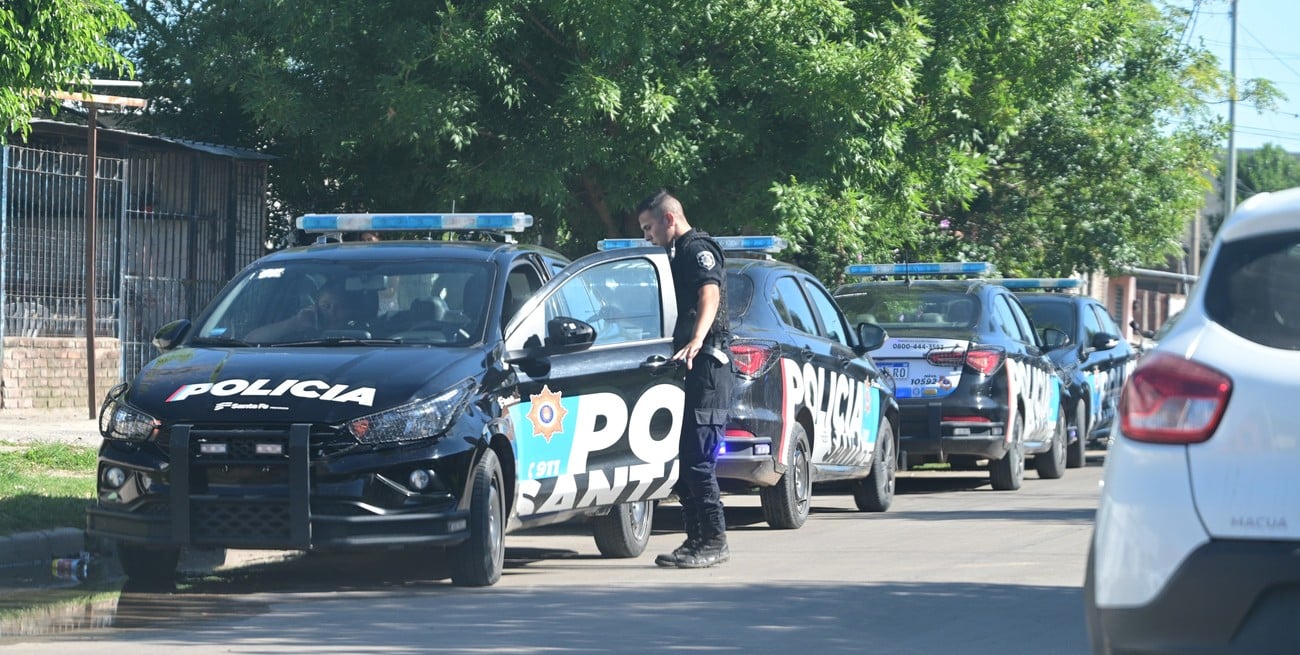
[330, 311]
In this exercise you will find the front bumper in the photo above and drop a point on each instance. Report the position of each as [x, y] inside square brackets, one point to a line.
[1227, 597]
[245, 499]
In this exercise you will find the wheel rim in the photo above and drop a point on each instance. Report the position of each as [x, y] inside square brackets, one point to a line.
[1018, 464]
[1063, 440]
[802, 484]
[891, 464]
[638, 512]
[494, 533]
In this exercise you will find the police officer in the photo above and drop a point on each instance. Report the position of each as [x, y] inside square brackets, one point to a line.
[700, 339]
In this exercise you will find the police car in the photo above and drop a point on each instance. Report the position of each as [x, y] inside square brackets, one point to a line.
[1083, 339]
[466, 390]
[809, 404]
[973, 380]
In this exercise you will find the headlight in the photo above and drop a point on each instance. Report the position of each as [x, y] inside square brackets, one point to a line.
[415, 420]
[118, 420]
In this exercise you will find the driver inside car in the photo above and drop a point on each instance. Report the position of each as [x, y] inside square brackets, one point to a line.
[330, 311]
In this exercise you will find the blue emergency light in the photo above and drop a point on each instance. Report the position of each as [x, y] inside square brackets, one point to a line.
[501, 222]
[920, 268]
[1023, 283]
[768, 244]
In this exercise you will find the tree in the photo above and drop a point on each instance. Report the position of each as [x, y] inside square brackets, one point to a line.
[52, 45]
[1047, 135]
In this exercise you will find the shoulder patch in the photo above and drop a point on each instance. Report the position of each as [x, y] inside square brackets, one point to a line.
[705, 258]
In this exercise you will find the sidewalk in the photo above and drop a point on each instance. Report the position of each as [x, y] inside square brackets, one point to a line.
[67, 425]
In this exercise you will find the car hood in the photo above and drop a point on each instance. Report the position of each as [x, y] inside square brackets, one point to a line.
[284, 385]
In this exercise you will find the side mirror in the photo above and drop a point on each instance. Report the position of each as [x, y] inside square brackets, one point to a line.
[1054, 338]
[1104, 341]
[871, 336]
[564, 334]
[169, 336]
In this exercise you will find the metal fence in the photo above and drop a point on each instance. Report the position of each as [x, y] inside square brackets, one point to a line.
[172, 227]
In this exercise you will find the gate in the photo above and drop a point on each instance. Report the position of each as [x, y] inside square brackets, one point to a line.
[174, 223]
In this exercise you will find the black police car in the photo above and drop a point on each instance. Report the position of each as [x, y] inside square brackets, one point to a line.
[466, 390]
[1084, 340]
[973, 380]
[809, 404]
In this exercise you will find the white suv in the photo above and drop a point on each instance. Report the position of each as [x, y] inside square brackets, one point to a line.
[1196, 546]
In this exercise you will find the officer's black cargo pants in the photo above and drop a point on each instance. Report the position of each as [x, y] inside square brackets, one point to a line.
[708, 399]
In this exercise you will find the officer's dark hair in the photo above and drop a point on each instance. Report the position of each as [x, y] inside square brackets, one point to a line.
[654, 203]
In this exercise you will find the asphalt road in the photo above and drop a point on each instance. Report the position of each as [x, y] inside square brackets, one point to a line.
[953, 567]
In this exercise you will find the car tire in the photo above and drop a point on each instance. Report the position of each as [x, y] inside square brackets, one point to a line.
[875, 493]
[625, 530]
[1007, 473]
[479, 560]
[1075, 456]
[1051, 464]
[149, 564]
[787, 503]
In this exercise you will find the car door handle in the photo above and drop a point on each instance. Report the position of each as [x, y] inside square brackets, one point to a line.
[658, 364]
[806, 354]
[845, 362]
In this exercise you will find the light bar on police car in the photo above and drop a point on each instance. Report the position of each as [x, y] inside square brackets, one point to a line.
[768, 244]
[499, 222]
[921, 268]
[1021, 283]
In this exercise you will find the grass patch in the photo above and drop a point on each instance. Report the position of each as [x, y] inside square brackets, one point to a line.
[45, 485]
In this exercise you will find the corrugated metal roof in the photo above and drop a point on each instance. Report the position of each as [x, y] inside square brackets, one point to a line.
[60, 127]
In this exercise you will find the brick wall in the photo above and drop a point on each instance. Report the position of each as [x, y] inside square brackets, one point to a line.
[46, 372]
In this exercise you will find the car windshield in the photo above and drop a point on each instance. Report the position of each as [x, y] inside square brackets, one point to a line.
[1254, 289]
[1051, 314]
[325, 302]
[910, 307]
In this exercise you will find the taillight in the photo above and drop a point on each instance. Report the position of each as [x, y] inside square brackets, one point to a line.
[986, 360]
[751, 359]
[948, 357]
[1173, 400]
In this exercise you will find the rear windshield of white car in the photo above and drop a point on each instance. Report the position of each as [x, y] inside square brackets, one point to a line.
[1254, 289]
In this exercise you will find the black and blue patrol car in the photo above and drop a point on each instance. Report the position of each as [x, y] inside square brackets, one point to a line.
[1084, 340]
[430, 394]
[972, 377]
[809, 404]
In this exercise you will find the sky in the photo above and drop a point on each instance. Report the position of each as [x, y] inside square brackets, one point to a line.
[1268, 46]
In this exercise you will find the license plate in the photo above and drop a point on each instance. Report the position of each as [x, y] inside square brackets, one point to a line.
[896, 371]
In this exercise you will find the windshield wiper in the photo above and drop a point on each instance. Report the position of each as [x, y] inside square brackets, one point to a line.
[341, 341]
[218, 341]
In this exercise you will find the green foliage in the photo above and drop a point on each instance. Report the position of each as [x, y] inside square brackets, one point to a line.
[1269, 168]
[1046, 135]
[52, 45]
[45, 485]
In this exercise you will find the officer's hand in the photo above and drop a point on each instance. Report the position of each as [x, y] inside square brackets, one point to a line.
[688, 352]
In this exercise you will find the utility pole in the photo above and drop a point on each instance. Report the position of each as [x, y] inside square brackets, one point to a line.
[1230, 182]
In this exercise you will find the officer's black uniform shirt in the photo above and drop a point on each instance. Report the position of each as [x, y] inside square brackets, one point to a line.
[697, 261]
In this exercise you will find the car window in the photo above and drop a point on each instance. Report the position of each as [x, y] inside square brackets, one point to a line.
[620, 299]
[522, 282]
[1091, 327]
[441, 302]
[1005, 320]
[792, 307]
[1059, 315]
[1254, 289]
[898, 306]
[1022, 322]
[832, 322]
[1107, 323]
[740, 293]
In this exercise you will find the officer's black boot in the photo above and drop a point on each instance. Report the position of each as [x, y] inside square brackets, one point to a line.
[710, 552]
[691, 524]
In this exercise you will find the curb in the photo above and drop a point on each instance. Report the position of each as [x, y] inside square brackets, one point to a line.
[25, 554]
